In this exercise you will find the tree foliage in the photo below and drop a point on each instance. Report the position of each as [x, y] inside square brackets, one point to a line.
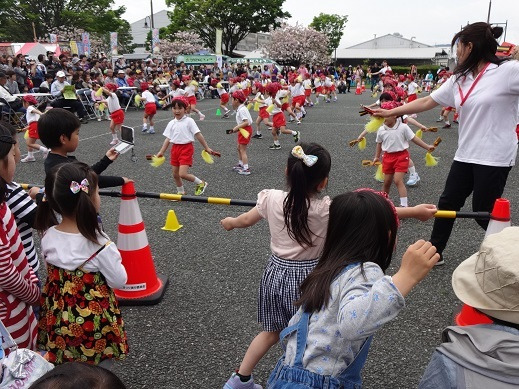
[295, 45]
[332, 25]
[182, 42]
[236, 18]
[95, 16]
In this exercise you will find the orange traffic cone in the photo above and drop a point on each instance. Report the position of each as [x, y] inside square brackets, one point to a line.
[499, 218]
[358, 89]
[469, 316]
[143, 287]
[363, 87]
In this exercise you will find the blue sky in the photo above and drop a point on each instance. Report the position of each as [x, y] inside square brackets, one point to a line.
[428, 22]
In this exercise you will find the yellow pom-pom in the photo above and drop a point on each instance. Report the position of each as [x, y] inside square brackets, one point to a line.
[161, 102]
[26, 135]
[285, 100]
[157, 161]
[374, 94]
[299, 78]
[99, 92]
[419, 134]
[362, 144]
[138, 99]
[207, 157]
[102, 107]
[219, 86]
[244, 133]
[430, 160]
[256, 106]
[379, 176]
[249, 106]
[193, 83]
[374, 124]
[270, 108]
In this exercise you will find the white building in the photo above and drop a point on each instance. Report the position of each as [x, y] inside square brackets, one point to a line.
[396, 49]
[140, 33]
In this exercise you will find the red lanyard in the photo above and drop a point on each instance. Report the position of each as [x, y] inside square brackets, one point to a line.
[464, 98]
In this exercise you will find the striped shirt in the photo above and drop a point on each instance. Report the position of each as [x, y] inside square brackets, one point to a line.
[18, 284]
[23, 209]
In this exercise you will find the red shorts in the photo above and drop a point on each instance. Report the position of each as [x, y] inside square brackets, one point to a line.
[517, 131]
[263, 113]
[448, 109]
[118, 116]
[192, 100]
[412, 97]
[241, 139]
[279, 120]
[308, 92]
[246, 92]
[318, 90]
[182, 154]
[285, 106]
[298, 100]
[150, 109]
[33, 130]
[224, 99]
[397, 162]
[332, 88]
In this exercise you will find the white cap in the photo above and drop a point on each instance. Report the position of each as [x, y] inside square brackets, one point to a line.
[60, 74]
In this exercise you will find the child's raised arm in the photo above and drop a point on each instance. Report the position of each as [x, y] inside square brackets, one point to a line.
[246, 219]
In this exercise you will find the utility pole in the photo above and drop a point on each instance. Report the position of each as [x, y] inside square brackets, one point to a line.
[489, 7]
[152, 23]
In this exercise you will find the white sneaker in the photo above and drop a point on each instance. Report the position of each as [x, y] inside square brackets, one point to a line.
[414, 179]
[202, 116]
[114, 142]
[28, 159]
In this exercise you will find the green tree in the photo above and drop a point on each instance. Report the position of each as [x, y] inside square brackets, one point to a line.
[95, 16]
[332, 25]
[236, 18]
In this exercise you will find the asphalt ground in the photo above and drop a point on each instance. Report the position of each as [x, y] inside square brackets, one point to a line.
[197, 335]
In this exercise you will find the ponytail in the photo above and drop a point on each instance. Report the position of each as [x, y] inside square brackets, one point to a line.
[303, 181]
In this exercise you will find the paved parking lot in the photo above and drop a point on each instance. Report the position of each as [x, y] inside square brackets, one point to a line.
[197, 336]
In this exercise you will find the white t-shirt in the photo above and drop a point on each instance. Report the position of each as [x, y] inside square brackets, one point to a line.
[113, 103]
[190, 90]
[148, 97]
[395, 138]
[177, 92]
[385, 69]
[307, 84]
[279, 98]
[297, 90]
[30, 115]
[242, 114]
[69, 251]
[412, 87]
[181, 131]
[487, 120]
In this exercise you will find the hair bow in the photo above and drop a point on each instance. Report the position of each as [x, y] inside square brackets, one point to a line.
[308, 160]
[75, 187]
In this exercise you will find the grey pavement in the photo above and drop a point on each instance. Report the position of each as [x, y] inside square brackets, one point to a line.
[197, 335]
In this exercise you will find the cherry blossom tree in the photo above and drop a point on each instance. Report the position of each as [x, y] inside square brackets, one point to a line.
[182, 42]
[294, 45]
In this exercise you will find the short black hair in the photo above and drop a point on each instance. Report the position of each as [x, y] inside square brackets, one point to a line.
[54, 123]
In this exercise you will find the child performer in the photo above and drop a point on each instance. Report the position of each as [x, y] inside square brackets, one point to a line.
[181, 133]
[392, 138]
[191, 97]
[224, 97]
[278, 120]
[318, 85]
[243, 120]
[298, 98]
[116, 113]
[150, 109]
[412, 88]
[307, 85]
[263, 115]
[97, 102]
[83, 266]
[348, 297]
[32, 115]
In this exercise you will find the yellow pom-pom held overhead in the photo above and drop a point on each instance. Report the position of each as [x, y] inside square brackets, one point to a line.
[374, 124]
[379, 176]
[430, 160]
[362, 144]
[157, 161]
[419, 134]
[99, 92]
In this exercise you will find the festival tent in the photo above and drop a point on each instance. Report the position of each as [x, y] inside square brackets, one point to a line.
[32, 49]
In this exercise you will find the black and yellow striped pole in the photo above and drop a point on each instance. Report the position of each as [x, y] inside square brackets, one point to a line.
[250, 203]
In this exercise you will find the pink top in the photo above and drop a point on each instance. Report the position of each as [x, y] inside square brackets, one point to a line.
[270, 207]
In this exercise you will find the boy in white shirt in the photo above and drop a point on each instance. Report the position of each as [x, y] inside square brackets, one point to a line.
[243, 123]
[412, 88]
[114, 108]
[150, 109]
[32, 115]
[278, 117]
[393, 139]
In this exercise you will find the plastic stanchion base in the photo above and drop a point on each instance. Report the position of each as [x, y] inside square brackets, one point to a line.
[152, 299]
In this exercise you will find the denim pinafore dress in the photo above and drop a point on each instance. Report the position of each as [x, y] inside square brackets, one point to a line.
[297, 377]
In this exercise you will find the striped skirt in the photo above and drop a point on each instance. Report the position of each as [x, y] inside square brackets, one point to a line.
[279, 290]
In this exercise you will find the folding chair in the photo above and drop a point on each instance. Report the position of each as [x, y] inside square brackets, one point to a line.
[87, 103]
[17, 119]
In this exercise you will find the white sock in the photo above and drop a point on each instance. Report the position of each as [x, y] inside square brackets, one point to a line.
[412, 170]
[294, 132]
[246, 166]
[276, 142]
[180, 189]
[197, 181]
[152, 128]
[240, 162]
[43, 149]
[30, 154]
[403, 201]
[144, 126]
[447, 122]
[114, 135]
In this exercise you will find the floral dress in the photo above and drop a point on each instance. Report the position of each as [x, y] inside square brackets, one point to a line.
[80, 319]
